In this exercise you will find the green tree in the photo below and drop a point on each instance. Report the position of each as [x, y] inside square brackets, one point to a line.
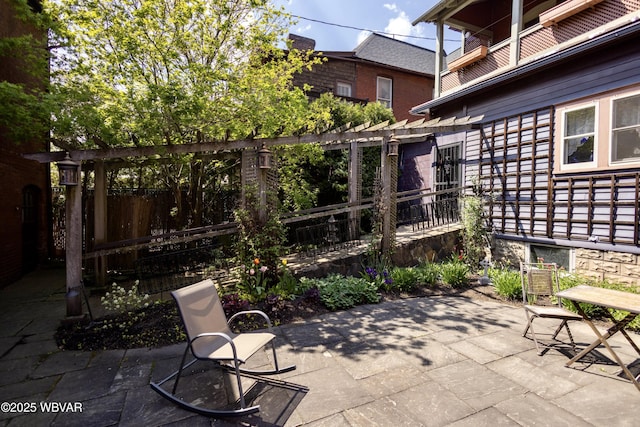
[23, 96]
[325, 174]
[155, 72]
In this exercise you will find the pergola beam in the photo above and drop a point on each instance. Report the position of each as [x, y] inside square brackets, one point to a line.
[361, 134]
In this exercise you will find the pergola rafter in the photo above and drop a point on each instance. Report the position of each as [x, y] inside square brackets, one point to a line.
[332, 140]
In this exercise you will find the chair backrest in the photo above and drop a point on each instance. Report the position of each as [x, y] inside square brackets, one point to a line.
[539, 283]
[201, 311]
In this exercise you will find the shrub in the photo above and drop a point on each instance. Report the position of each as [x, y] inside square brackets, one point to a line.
[120, 300]
[233, 303]
[454, 273]
[288, 287]
[404, 278]
[428, 273]
[506, 282]
[338, 292]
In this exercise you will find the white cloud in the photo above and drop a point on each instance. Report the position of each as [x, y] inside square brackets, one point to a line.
[301, 30]
[399, 25]
[391, 6]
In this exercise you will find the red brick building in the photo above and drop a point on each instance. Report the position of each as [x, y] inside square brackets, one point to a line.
[25, 191]
[393, 72]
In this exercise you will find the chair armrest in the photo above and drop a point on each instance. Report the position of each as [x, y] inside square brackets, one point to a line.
[216, 334]
[243, 313]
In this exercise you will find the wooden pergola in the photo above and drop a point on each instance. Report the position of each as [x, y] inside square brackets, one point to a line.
[384, 135]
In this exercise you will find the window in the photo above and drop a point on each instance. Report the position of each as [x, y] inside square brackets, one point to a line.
[384, 91]
[625, 129]
[447, 170]
[343, 89]
[601, 133]
[578, 136]
[542, 253]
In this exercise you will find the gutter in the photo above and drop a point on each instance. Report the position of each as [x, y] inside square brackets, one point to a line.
[530, 68]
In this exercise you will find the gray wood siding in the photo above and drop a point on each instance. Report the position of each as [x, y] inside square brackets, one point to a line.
[515, 153]
[516, 170]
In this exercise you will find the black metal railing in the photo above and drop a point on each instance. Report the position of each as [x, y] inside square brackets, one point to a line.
[435, 212]
[326, 235]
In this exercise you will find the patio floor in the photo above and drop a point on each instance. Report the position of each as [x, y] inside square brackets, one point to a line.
[439, 361]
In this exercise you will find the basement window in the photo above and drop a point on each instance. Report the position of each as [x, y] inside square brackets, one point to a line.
[557, 254]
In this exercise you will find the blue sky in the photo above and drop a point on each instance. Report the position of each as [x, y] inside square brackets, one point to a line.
[378, 15]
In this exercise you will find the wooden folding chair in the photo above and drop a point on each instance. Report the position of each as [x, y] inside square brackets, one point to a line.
[539, 286]
[210, 338]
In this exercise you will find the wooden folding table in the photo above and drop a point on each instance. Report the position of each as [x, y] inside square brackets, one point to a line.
[608, 299]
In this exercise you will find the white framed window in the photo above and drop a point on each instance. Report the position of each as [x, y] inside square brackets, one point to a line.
[625, 129]
[579, 137]
[384, 91]
[343, 89]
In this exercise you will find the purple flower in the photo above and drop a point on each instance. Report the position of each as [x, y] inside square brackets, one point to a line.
[263, 268]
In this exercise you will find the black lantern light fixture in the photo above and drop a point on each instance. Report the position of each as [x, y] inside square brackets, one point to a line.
[68, 171]
[264, 158]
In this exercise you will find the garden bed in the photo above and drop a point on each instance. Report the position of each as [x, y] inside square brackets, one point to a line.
[160, 325]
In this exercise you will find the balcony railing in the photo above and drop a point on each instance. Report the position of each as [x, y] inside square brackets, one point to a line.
[566, 30]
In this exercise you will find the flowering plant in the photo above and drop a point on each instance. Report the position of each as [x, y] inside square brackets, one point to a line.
[380, 279]
[254, 280]
[120, 300]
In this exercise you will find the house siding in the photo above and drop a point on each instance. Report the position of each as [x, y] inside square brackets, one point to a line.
[529, 201]
[584, 75]
[407, 89]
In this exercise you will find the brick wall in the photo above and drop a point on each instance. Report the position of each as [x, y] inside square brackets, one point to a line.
[17, 174]
[408, 89]
[324, 77]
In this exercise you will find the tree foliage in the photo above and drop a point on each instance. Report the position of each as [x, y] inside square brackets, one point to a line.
[158, 72]
[328, 174]
[24, 104]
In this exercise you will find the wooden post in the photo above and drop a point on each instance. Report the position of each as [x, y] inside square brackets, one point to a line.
[516, 25]
[355, 184]
[262, 195]
[385, 166]
[437, 84]
[100, 219]
[73, 248]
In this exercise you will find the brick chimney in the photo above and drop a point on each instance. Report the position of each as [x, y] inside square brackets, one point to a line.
[302, 43]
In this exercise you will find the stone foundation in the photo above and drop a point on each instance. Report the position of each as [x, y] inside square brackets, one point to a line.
[613, 267]
[508, 253]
